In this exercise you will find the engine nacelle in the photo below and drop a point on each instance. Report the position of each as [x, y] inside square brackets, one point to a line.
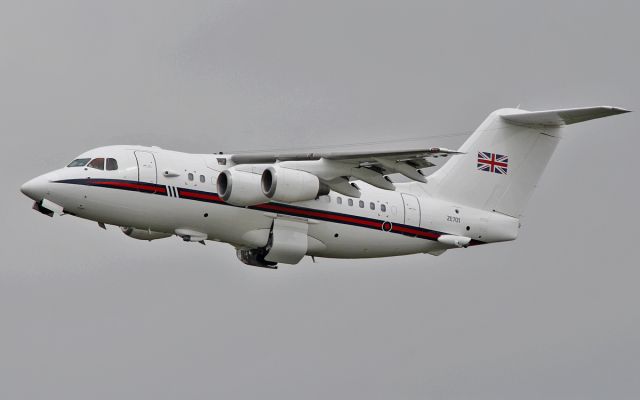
[290, 185]
[143, 234]
[240, 188]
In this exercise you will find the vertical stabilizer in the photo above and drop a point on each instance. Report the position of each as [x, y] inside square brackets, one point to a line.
[505, 157]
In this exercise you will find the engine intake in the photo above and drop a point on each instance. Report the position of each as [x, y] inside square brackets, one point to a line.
[240, 188]
[291, 185]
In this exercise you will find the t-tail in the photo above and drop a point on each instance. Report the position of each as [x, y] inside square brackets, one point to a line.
[505, 157]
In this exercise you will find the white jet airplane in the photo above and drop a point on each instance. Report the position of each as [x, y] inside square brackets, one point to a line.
[278, 208]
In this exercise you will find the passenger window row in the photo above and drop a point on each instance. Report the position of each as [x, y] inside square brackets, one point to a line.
[372, 205]
[191, 177]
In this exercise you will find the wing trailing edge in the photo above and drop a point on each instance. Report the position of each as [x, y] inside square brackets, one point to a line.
[338, 168]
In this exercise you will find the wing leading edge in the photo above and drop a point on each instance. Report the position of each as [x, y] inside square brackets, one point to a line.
[337, 169]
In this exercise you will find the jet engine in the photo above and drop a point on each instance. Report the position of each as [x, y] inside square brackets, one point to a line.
[143, 234]
[290, 185]
[240, 188]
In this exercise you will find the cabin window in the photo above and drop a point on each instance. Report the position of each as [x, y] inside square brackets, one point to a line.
[79, 162]
[361, 204]
[383, 208]
[97, 163]
[339, 200]
[202, 179]
[112, 164]
[190, 176]
[372, 205]
[350, 202]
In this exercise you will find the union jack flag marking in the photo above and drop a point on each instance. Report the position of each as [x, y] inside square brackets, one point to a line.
[491, 162]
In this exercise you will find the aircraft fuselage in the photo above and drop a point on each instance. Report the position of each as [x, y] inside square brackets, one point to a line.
[171, 193]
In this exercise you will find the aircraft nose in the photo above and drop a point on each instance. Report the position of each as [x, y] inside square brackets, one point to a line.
[35, 188]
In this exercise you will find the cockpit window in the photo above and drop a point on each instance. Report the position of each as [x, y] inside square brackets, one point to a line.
[79, 162]
[97, 163]
[112, 164]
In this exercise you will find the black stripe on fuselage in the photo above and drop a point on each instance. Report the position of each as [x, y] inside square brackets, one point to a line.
[121, 184]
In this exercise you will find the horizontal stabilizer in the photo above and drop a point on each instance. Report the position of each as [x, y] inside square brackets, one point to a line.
[561, 117]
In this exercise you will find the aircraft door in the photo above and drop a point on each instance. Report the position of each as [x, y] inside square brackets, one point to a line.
[411, 210]
[146, 167]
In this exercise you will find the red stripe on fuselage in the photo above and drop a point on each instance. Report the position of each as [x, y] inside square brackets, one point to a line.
[328, 216]
[283, 208]
[417, 232]
[198, 195]
[320, 214]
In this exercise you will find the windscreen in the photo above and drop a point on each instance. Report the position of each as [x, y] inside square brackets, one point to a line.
[79, 162]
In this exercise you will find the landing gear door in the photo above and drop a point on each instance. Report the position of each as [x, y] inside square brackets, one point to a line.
[411, 210]
[146, 167]
[288, 241]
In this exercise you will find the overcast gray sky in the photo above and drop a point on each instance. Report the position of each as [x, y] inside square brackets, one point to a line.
[87, 313]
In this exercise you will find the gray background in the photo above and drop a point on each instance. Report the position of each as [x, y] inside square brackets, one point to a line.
[87, 313]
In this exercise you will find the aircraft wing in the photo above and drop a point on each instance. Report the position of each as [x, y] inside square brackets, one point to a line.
[355, 156]
[338, 168]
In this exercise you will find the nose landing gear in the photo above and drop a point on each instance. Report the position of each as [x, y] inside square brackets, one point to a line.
[48, 207]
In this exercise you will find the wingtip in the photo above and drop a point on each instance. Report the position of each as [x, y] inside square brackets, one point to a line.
[618, 110]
